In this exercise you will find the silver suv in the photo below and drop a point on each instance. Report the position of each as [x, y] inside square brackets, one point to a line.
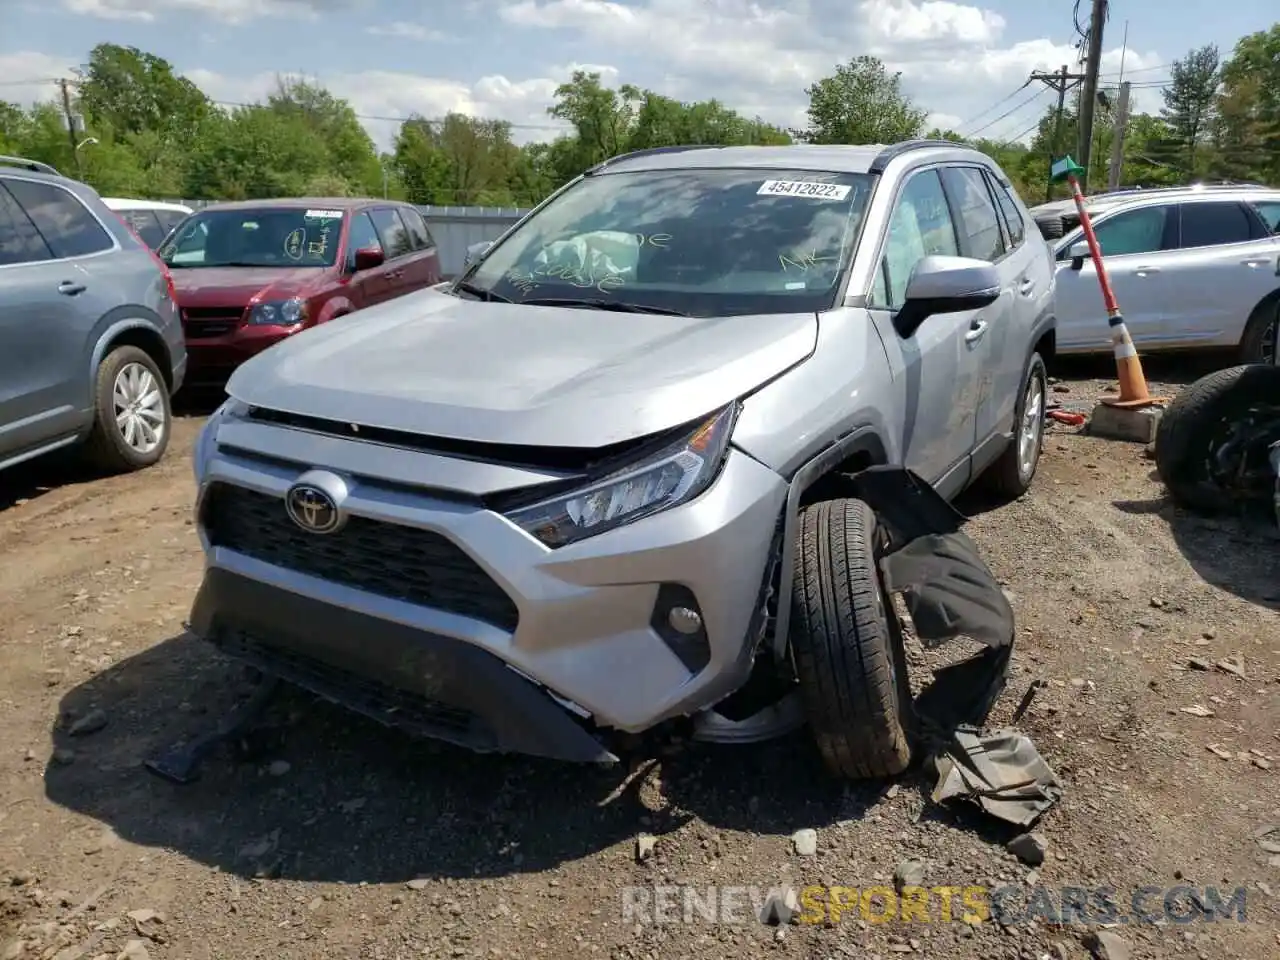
[91, 344]
[1193, 267]
[564, 495]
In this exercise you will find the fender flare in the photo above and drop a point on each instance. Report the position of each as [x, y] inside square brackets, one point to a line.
[128, 319]
[333, 308]
[861, 440]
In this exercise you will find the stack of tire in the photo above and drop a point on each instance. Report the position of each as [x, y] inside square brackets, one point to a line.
[1051, 225]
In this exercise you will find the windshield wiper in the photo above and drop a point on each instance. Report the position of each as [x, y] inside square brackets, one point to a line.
[467, 287]
[621, 306]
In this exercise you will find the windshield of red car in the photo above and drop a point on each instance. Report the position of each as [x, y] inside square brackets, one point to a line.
[266, 237]
[708, 242]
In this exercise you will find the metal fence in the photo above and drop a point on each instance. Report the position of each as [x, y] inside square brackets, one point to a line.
[454, 228]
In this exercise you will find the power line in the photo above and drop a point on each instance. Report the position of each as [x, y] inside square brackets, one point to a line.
[1012, 110]
[1018, 136]
[1125, 73]
[998, 103]
[28, 83]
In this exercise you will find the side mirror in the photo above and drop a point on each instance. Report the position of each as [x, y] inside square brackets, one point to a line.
[476, 251]
[1079, 254]
[946, 285]
[367, 258]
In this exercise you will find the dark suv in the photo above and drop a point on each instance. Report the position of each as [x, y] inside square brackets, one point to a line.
[250, 274]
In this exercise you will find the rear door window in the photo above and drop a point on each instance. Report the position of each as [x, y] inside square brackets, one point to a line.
[396, 240]
[1214, 224]
[146, 225]
[363, 236]
[169, 219]
[20, 242]
[422, 239]
[975, 213]
[66, 224]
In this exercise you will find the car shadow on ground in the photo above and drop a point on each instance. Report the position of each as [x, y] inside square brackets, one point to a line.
[362, 803]
[1238, 554]
[33, 479]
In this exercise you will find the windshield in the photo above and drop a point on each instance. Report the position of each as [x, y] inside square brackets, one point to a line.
[698, 241]
[267, 237]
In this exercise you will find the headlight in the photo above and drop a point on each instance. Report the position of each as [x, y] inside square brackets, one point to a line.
[281, 313]
[669, 477]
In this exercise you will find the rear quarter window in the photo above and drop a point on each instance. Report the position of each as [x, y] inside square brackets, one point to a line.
[64, 222]
[20, 242]
[422, 239]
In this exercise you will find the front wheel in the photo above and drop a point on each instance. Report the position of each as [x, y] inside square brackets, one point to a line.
[848, 650]
[132, 416]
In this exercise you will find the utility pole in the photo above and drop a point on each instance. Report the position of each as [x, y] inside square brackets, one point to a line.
[71, 127]
[1060, 82]
[1117, 139]
[1089, 91]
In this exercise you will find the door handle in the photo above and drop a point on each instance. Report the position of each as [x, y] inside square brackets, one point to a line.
[395, 274]
[1257, 262]
[1144, 271]
[70, 288]
[1026, 287]
[977, 330]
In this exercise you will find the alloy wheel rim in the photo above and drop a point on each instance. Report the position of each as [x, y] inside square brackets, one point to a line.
[139, 408]
[1032, 425]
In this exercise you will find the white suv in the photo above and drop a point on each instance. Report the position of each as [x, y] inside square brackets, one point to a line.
[1192, 267]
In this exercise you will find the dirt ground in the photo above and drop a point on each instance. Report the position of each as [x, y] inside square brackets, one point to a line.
[340, 839]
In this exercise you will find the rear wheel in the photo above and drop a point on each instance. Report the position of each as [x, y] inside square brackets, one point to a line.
[847, 644]
[1215, 435]
[1011, 475]
[1258, 345]
[132, 417]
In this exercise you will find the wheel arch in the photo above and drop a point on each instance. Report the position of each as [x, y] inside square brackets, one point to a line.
[133, 331]
[822, 477]
[1269, 305]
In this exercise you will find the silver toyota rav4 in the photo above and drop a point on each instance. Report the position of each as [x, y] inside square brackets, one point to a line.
[609, 477]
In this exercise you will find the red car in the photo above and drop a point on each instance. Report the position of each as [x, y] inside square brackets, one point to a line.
[251, 273]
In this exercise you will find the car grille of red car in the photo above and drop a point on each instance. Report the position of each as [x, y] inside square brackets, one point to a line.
[204, 322]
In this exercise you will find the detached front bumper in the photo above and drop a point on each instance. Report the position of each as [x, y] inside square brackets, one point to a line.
[449, 604]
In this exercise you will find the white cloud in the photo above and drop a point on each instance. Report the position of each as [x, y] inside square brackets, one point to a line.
[26, 76]
[227, 11]
[408, 31]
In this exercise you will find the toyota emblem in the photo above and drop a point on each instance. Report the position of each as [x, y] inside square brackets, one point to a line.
[312, 509]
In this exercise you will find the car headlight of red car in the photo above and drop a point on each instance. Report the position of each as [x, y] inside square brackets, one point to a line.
[280, 313]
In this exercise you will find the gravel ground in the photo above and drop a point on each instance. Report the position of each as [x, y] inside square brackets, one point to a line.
[1156, 633]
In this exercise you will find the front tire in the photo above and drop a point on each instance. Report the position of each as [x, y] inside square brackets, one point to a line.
[848, 649]
[132, 415]
[1193, 424]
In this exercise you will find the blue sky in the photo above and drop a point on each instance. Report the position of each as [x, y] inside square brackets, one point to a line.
[503, 58]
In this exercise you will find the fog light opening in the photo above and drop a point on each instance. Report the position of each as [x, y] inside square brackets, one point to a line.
[678, 620]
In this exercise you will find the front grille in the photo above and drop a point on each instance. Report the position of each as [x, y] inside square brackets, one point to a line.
[204, 322]
[387, 559]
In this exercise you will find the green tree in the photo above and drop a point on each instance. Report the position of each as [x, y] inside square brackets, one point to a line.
[1247, 136]
[348, 149]
[1190, 100]
[134, 92]
[862, 103]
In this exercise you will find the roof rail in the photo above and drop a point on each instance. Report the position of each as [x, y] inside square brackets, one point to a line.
[648, 152]
[895, 150]
[22, 163]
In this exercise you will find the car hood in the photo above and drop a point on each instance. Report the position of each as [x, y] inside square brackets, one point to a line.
[436, 365]
[218, 286]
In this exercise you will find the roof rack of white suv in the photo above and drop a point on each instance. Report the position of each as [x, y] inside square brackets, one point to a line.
[895, 150]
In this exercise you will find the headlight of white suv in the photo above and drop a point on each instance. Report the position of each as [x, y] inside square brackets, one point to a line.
[671, 476]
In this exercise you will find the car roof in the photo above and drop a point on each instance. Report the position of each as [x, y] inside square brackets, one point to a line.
[841, 158]
[28, 165]
[126, 203]
[306, 203]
